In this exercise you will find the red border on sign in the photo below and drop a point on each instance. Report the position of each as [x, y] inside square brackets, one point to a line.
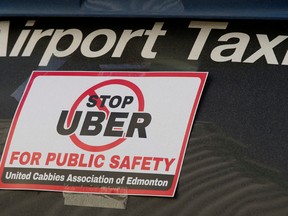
[170, 192]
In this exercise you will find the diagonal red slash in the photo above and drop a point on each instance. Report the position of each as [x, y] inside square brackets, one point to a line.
[92, 91]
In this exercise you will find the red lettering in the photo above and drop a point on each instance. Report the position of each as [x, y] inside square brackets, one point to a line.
[157, 162]
[136, 161]
[98, 164]
[146, 164]
[125, 163]
[14, 156]
[50, 157]
[73, 159]
[35, 158]
[25, 158]
[140, 162]
[114, 162]
[90, 160]
[168, 163]
[81, 163]
[64, 160]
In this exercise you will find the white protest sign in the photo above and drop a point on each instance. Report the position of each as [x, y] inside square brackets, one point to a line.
[101, 132]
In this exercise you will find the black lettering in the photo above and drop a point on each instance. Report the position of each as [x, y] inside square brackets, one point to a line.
[60, 126]
[118, 100]
[95, 124]
[112, 123]
[93, 101]
[104, 98]
[139, 121]
[127, 100]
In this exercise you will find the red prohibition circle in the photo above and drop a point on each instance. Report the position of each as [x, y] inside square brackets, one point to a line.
[92, 91]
